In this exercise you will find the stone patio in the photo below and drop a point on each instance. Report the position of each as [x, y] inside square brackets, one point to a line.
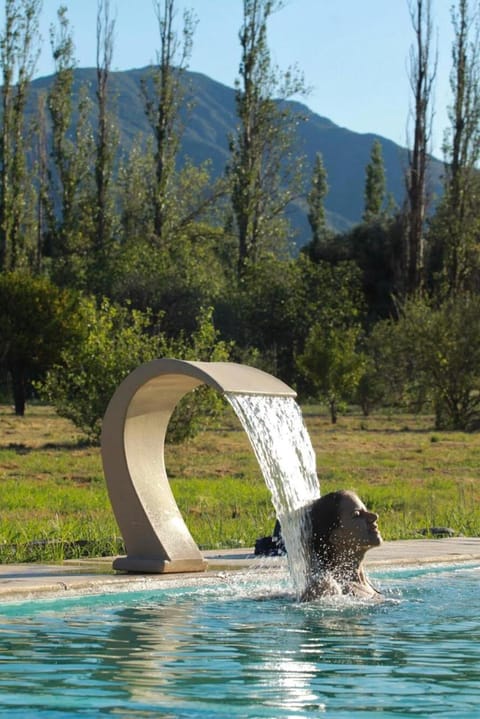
[20, 582]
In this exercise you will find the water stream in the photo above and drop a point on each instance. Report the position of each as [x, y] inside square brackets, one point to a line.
[285, 454]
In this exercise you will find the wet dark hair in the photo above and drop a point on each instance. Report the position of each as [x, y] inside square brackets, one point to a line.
[323, 516]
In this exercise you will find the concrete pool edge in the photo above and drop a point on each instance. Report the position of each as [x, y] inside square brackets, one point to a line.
[21, 582]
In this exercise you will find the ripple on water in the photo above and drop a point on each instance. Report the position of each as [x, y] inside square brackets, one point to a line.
[239, 651]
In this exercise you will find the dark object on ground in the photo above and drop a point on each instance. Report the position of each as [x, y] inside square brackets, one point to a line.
[438, 531]
[273, 546]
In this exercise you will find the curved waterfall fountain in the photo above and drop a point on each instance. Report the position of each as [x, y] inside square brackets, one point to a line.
[133, 437]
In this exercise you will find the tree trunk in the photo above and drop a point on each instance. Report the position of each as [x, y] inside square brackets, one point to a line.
[19, 390]
[333, 411]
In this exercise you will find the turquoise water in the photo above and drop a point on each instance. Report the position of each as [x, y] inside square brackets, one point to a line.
[247, 649]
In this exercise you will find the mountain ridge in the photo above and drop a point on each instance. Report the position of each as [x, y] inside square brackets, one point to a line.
[212, 120]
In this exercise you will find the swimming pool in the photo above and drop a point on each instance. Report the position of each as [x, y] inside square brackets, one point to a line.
[246, 649]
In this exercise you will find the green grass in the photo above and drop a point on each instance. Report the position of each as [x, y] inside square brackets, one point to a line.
[414, 477]
[54, 502]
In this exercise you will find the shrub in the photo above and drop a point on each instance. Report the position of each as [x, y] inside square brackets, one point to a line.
[38, 321]
[116, 340]
[436, 352]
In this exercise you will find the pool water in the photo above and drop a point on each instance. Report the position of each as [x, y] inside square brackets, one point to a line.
[248, 649]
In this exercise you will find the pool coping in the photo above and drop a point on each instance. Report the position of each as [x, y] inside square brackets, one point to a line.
[23, 582]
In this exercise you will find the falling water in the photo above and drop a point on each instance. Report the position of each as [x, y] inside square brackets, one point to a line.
[285, 454]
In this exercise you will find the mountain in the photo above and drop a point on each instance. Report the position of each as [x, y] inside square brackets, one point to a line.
[345, 153]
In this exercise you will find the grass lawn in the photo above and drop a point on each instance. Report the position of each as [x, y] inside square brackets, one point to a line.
[54, 501]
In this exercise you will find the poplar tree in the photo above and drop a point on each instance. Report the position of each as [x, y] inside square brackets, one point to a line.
[263, 170]
[164, 92]
[422, 76]
[321, 233]
[18, 56]
[59, 198]
[68, 203]
[136, 177]
[456, 227]
[374, 184]
[105, 151]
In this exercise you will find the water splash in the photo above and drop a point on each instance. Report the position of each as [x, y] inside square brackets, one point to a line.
[285, 454]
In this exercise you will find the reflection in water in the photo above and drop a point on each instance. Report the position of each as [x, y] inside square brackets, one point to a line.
[231, 651]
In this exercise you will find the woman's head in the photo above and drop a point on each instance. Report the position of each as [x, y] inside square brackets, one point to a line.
[340, 524]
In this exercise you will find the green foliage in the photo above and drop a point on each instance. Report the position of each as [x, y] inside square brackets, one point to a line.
[106, 148]
[323, 241]
[263, 313]
[203, 405]
[18, 52]
[422, 69]
[332, 293]
[271, 311]
[382, 381]
[135, 178]
[176, 280]
[163, 93]
[264, 170]
[434, 351]
[329, 361]
[114, 342]
[370, 392]
[392, 368]
[151, 229]
[374, 184]
[376, 247]
[38, 322]
[332, 363]
[454, 259]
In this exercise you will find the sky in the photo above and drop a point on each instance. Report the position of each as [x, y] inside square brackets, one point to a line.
[354, 54]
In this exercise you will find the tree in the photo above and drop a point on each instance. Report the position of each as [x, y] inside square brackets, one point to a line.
[18, 56]
[377, 249]
[321, 233]
[264, 176]
[433, 352]
[136, 176]
[455, 228]
[41, 171]
[383, 381]
[262, 314]
[43, 323]
[422, 76]
[164, 94]
[187, 274]
[333, 364]
[271, 311]
[115, 340]
[68, 200]
[168, 202]
[374, 184]
[106, 143]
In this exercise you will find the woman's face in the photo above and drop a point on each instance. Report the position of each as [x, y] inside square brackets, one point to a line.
[358, 527]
